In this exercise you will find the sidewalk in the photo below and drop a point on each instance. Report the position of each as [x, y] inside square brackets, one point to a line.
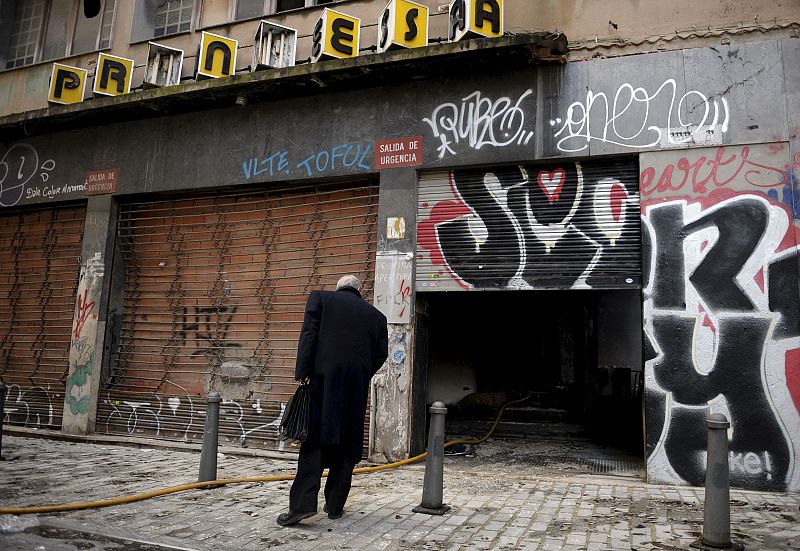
[511, 507]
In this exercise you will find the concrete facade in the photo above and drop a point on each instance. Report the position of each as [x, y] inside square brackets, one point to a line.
[713, 128]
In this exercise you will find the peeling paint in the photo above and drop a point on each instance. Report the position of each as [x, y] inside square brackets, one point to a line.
[390, 398]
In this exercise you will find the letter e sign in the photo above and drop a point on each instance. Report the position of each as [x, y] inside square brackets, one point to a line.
[336, 36]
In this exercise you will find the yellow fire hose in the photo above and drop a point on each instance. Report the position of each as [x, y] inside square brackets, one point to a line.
[223, 482]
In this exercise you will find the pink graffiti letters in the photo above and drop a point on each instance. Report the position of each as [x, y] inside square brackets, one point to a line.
[722, 170]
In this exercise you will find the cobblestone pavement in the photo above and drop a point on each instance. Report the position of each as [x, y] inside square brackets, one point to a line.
[507, 508]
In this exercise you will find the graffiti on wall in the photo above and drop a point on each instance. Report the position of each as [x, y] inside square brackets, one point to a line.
[280, 164]
[393, 286]
[638, 118]
[29, 407]
[181, 417]
[511, 227]
[77, 397]
[478, 121]
[722, 318]
[24, 175]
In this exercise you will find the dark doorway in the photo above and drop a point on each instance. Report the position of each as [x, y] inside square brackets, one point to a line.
[576, 356]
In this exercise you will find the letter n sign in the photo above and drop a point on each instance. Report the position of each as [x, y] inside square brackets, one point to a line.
[113, 75]
[403, 24]
[67, 84]
[336, 36]
[217, 56]
[475, 18]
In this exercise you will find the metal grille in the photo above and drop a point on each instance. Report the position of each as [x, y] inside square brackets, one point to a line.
[214, 300]
[173, 17]
[39, 269]
[107, 24]
[559, 225]
[26, 27]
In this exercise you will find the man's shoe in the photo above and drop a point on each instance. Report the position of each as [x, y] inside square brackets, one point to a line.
[332, 515]
[289, 519]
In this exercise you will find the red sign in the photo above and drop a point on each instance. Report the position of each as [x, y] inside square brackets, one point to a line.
[398, 152]
[99, 182]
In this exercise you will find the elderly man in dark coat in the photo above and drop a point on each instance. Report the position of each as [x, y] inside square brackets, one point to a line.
[343, 342]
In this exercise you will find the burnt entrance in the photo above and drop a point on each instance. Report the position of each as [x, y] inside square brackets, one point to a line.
[575, 355]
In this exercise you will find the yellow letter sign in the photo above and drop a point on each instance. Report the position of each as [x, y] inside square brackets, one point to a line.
[217, 57]
[403, 24]
[113, 75]
[475, 18]
[335, 36]
[67, 84]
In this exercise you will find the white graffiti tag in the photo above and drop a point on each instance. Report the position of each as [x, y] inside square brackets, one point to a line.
[479, 121]
[19, 165]
[637, 119]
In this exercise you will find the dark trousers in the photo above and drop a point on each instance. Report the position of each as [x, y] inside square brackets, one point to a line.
[310, 464]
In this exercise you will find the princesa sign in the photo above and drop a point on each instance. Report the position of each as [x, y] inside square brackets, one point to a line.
[402, 24]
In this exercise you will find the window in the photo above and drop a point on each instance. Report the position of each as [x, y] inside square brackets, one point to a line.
[284, 5]
[157, 18]
[221, 12]
[43, 30]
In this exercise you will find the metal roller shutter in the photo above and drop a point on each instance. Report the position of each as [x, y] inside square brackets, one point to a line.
[559, 225]
[214, 300]
[40, 253]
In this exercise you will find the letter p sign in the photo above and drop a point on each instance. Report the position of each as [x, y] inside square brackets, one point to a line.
[67, 84]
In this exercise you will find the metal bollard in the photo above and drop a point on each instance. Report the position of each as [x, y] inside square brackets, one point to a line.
[208, 457]
[2, 413]
[432, 486]
[717, 512]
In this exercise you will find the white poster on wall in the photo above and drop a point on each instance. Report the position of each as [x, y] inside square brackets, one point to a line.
[393, 286]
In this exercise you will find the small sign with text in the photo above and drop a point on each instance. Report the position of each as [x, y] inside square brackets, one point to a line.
[398, 153]
[100, 182]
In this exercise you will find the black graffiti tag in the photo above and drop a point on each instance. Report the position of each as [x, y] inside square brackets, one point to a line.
[529, 226]
[760, 451]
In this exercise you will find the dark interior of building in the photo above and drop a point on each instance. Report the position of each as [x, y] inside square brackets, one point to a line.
[575, 354]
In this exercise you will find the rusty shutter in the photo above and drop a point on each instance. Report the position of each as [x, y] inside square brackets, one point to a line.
[559, 225]
[214, 299]
[40, 253]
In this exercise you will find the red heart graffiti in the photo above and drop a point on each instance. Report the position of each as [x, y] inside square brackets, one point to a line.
[551, 182]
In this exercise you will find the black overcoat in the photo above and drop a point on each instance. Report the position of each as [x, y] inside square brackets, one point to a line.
[343, 342]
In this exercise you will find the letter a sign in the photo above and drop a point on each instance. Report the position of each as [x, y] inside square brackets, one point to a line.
[67, 84]
[475, 18]
[113, 76]
[335, 36]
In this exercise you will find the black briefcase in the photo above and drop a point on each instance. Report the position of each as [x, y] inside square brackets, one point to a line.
[297, 417]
